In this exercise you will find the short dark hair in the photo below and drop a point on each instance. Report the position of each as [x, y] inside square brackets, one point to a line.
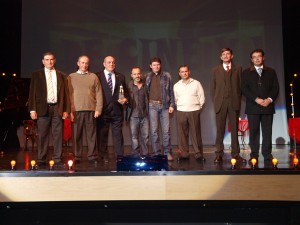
[48, 53]
[184, 65]
[257, 50]
[226, 49]
[155, 59]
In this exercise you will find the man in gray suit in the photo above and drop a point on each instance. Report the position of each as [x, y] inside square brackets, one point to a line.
[226, 93]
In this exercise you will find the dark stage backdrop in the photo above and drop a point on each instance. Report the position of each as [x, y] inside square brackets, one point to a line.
[179, 32]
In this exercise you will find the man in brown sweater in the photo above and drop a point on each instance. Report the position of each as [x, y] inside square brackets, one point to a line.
[86, 105]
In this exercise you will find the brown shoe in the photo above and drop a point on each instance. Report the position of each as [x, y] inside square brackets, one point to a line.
[218, 159]
[170, 157]
[182, 155]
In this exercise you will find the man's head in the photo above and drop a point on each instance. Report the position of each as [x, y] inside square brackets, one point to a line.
[155, 65]
[109, 63]
[48, 60]
[184, 72]
[257, 57]
[83, 63]
[226, 55]
[136, 74]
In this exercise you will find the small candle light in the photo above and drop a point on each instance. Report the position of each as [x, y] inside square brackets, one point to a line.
[70, 163]
[275, 162]
[51, 163]
[32, 162]
[233, 162]
[253, 161]
[295, 161]
[12, 163]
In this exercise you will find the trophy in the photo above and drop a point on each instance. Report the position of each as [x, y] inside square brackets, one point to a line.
[121, 92]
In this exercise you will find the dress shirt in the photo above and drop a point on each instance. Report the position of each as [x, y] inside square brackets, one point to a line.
[54, 82]
[225, 66]
[113, 79]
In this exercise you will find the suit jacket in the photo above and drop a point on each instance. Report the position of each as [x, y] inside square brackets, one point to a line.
[131, 105]
[218, 86]
[38, 93]
[111, 106]
[254, 86]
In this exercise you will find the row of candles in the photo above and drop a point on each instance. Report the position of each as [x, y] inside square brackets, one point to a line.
[274, 162]
[33, 164]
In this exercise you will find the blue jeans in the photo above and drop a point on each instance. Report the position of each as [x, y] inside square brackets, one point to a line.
[139, 127]
[158, 114]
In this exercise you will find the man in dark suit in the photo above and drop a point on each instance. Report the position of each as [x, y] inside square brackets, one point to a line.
[226, 93]
[115, 95]
[260, 87]
[48, 103]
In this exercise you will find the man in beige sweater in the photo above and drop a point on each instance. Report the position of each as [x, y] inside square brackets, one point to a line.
[86, 105]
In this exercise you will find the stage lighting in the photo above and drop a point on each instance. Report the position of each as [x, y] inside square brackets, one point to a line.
[275, 162]
[70, 164]
[32, 162]
[233, 162]
[51, 163]
[12, 163]
[253, 161]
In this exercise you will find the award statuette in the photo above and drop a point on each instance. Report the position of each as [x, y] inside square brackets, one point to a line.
[121, 92]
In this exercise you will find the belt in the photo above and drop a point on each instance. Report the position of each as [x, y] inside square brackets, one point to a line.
[155, 102]
[52, 104]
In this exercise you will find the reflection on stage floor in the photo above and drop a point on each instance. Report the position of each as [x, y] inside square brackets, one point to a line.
[23, 159]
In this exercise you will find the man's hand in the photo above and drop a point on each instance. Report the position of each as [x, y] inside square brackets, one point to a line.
[123, 101]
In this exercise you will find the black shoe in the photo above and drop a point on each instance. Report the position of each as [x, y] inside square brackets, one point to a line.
[93, 161]
[240, 159]
[77, 161]
[218, 159]
[60, 164]
[199, 157]
[41, 164]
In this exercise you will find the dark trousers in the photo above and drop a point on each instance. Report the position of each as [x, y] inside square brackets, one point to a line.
[189, 123]
[45, 124]
[103, 124]
[221, 116]
[265, 122]
[84, 121]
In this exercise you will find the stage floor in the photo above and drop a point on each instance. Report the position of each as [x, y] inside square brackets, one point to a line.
[23, 158]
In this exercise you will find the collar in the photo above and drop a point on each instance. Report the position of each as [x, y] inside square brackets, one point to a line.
[80, 72]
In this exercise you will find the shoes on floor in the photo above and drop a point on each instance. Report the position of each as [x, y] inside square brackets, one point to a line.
[182, 155]
[59, 163]
[199, 157]
[77, 161]
[218, 159]
[239, 159]
[93, 161]
[170, 157]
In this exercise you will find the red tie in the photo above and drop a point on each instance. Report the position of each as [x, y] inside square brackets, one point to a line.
[227, 68]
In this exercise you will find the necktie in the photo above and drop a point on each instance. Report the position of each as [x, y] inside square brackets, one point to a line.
[259, 71]
[50, 88]
[227, 68]
[109, 82]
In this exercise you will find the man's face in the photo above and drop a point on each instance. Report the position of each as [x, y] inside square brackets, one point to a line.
[184, 73]
[83, 64]
[49, 61]
[257, 59]
[136, 75]
[155, 66]
[226, 57]
[109, 64]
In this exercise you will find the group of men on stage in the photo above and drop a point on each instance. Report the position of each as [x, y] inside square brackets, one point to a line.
[96, 101]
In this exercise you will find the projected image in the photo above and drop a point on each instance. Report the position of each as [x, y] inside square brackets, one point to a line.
[188, 32]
